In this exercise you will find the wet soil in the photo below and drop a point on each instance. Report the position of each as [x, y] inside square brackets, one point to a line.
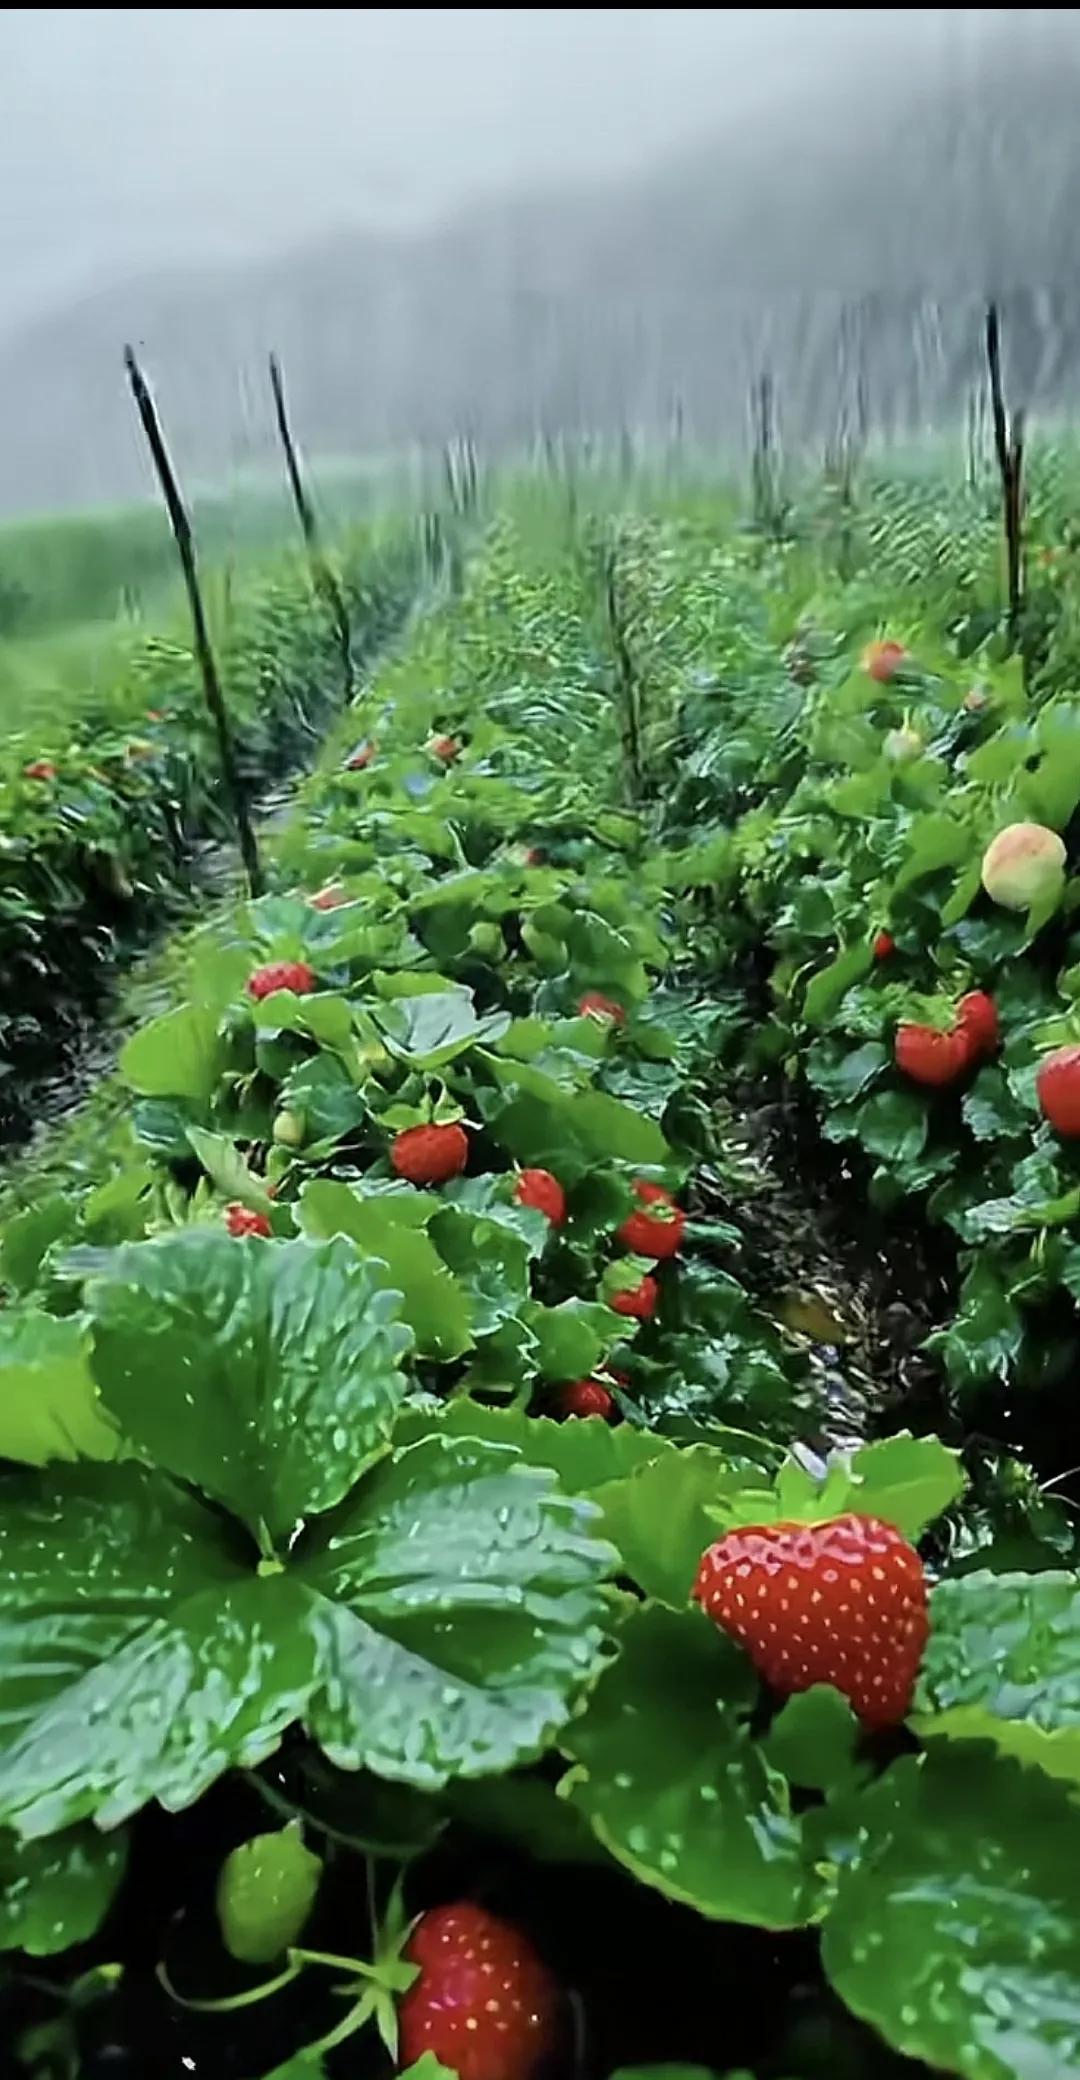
[859, 1291]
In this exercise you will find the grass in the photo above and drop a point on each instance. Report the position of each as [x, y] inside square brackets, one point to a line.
[80, 592]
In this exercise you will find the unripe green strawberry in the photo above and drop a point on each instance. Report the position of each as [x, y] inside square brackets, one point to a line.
[548, 952]
[290, 1129]
[266, 1889]
[485, 938]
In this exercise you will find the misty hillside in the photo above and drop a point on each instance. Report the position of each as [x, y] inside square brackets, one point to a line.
[859, 237]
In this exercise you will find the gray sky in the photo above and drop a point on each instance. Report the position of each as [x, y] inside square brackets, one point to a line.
[136, 137]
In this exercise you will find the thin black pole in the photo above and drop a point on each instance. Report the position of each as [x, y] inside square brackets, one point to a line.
[322, 576]
[185, 546]
[1009, 448]
[625, 677]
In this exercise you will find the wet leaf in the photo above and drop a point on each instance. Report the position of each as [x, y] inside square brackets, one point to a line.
[433, 1303]
[275, 1367]
[458, 1613]
[672, 1784]
[49, 1407]
[958, 1937]
[1003, 1664]
[55, 1893]
[179, 1055]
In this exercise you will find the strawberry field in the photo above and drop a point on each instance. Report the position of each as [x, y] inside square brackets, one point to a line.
[540, 1446]
[103, 798]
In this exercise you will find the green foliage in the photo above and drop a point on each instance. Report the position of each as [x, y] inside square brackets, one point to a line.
[672, 1784]
[956, 1938]
[304, 1504]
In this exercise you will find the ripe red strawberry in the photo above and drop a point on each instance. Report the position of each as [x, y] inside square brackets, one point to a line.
[39, 769]
[240, 1220]
[1057, 1087]
[540, 1189]
[657, 1234]
[976, 1015]
[639, 1301]
[884, 945]
[485, 2004]
[843, 1602]
[446, 748]
[535, 856]
[430, 1154]
[292, 975]
[585, 1397]
[594, 1005]
[930, 1057]
[361, 757]
[882, 660]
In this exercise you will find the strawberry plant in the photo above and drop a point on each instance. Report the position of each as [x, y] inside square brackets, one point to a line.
[429, 1574]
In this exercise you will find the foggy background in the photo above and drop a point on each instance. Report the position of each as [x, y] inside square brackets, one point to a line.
[519, 221]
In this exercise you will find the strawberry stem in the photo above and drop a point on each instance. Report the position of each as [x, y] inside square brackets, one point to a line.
[232, 2002]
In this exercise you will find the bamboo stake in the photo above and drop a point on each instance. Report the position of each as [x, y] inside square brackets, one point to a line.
[1009, 448]
[180, 523]
[322, 576]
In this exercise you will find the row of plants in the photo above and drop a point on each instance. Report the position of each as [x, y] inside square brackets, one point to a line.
[98, 815]
[420, 1600]
[892, 814]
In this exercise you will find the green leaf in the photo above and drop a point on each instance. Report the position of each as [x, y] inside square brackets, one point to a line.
[843, 1076]
[905, 1480]
[27, 1237]
[672, 1784]
[812, 1741]
[572, 1338]
[585, 1454]
[179, 1055]
[657, 1519]
[107, 1696]
[1051, 792]
[992, 1110]
[489, 1259]
[985, 1335]
[1003, 1664]
[956, 1928]
[49, 1407]
[495, 1200]
[606, 1129]
[432, 1301]
[323, 1093]
[57, 1892]
[444, 1623]
[936, 841]
[458, 1611]
[569, 1132]
[892, 1124]
[267, 1374]
[117, 1210]
[433, 1029]
[227, 1169]
[826, 989]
